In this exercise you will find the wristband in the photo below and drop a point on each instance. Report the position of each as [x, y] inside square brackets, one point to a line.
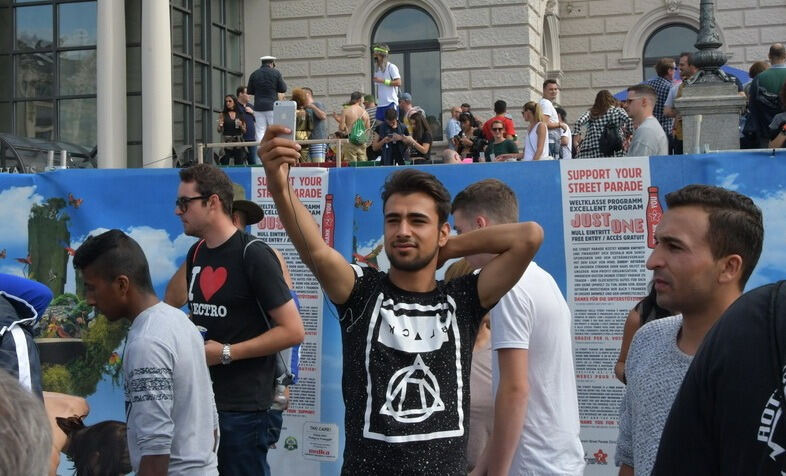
[387, 82]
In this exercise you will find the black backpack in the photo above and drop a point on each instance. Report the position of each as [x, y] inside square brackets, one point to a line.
[610, 140]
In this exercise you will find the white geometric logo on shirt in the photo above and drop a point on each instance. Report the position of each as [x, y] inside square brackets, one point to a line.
[412, 394]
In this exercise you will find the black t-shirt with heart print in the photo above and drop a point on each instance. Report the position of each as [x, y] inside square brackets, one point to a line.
[223, 291]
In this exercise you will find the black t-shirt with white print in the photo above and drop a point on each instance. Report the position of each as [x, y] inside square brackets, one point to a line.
[407, 359]
[224, 301]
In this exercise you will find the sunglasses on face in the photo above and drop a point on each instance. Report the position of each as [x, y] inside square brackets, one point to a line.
[497, 129]
[182, 202]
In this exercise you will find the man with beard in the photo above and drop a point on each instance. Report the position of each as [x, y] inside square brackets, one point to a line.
[237, 292]
[707, 244]
[407, 338]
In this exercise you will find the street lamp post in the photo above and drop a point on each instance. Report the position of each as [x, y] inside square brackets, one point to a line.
[709, 58]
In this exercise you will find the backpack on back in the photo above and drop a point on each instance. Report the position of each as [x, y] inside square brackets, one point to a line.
[610, 140]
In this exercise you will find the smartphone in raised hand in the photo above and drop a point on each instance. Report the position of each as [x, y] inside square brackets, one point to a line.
[284, 115]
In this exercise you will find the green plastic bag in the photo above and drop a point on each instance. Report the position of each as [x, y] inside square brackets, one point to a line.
[358, 135]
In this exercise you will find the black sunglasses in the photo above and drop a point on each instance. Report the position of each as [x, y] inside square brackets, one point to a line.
[497, 128]
[182, 202]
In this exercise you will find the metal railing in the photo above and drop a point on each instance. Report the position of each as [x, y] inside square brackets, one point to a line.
[223, 145]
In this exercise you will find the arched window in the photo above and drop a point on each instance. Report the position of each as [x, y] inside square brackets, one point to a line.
[412, 36]
[667, 41]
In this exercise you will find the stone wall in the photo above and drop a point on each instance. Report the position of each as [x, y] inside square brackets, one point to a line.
[600, 38]
[497, 50]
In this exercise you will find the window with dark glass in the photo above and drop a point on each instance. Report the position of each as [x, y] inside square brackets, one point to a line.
[667, 42]
[413, 38]
[48, 70]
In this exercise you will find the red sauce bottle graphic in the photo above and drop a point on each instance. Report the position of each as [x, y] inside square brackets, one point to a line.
[328, 220]
[654, 214]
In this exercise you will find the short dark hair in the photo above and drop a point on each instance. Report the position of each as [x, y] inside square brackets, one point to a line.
[464, 104]
[240, 89]
[113, 253]
[310, 91]
[736, 225]
[465, 117]
[549, 81]
[210, 180]
[757, 67]
[500, 106]
[663, 65]
[644, 90]
[489, 197]
[562, 113]
[410, 180]
[355, 97]
[689, 56]
[390, 114]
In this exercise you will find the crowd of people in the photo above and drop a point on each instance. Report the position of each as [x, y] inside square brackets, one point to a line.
[610, 128]
[203, 394]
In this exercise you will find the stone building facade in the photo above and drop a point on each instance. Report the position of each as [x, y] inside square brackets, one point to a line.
[499, 49]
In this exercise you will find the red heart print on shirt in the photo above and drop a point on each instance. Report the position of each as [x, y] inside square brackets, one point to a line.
[211, 280]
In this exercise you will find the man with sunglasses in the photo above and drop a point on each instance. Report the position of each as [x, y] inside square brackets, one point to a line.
[649, 137]
[232, 281]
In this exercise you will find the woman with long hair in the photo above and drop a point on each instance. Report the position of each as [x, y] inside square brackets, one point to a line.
[420, 140]
[500, 148]
[469, 140]
[303, 121]
[232, 126]
[590, 126]
[537, 133]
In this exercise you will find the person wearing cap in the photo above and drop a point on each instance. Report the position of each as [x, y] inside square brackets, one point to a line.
[265, 84]
[405, 110]
[387, 80]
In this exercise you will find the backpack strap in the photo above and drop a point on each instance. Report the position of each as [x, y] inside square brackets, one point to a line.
[281, 362]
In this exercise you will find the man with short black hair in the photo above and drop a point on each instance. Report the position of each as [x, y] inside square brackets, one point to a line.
[350, 115]
[172, 421]
[536, 410]
[707, 245]
[247, 113]
[404, 334]
[551, 117]
[235, 290]
[687, 69]
[648, 137]
[265, 84]
[662, 83]
[500, 108]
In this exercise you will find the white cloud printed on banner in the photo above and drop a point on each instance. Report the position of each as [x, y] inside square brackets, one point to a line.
[773, 253]
[163, 255]
[13, 233]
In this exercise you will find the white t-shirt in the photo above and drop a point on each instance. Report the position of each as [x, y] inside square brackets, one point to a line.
[547, 109]
[534, 316]
[169, 396]
[387, 94]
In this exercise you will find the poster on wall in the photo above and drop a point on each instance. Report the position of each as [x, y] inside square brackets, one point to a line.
[609, 215]
[305, 441]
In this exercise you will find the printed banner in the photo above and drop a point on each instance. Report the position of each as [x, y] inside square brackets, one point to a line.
[609, 216]
[598, 217]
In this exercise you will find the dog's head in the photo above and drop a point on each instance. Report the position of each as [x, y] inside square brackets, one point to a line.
[100, 449]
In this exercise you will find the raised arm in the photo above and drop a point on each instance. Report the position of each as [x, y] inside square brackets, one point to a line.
[330, 268]
[515, 245]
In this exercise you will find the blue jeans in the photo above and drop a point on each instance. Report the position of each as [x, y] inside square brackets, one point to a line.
[253, 158]
[244, 443]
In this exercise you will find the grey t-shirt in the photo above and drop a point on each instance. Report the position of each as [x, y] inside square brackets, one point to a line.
[169, 397]
[649, 139]
[320, 125]
[654, 371]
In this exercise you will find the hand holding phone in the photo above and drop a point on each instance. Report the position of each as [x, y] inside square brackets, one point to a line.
[284, 115]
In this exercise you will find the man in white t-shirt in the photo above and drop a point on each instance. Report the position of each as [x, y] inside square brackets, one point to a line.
[172, 420]
[387, 79]
[536, 414]
[550, 117]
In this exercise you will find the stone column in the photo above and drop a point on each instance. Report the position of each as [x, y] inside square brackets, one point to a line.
[111, 84]
[156, 85]
[710, 94]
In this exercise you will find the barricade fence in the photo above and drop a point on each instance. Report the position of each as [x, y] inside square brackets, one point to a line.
[223, 145]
